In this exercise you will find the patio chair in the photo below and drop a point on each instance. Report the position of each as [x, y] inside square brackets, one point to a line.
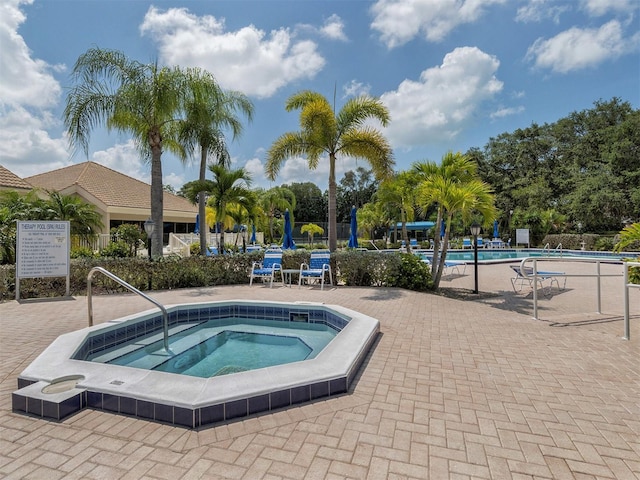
[413, 243]
[315, 270]
[480, 242]
[450, 266]
[268, 268]
[520, 280]
[466, 243]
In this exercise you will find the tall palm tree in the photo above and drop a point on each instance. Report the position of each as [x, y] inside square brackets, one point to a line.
[228, 187]
[454, 186]
[143, 100]
[400, 192]
[323, 132]
[209, 111]
[274, 202]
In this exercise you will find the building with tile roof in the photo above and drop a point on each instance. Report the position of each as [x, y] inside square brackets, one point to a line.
[118, 197]
[10, 181]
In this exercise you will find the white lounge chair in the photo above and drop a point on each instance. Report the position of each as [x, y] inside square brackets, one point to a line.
[524, 276]
[318, 266]
[268, 268]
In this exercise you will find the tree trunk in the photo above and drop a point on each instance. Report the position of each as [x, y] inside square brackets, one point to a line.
[157, 199]
[202, 204]
[333, 234]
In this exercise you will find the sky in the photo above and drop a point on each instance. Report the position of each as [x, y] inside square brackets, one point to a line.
[452, 73]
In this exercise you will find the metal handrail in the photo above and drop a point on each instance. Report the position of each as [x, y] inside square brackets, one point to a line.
[165, 316]
[535, 275]
[546, 248]
[558, 248]
[627, 286]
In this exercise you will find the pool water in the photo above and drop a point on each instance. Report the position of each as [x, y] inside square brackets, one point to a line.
[507, 255]
[214, 348]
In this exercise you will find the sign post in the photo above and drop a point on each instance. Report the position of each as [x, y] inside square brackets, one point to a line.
[42, 250]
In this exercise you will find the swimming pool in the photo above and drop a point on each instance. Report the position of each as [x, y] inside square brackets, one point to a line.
[510, 255]
[62, 380]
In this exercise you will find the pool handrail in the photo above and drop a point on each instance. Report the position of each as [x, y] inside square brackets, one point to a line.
[627, 286]
[165, 316]
[597, 275]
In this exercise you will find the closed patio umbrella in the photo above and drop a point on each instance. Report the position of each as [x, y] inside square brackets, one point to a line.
[253, 234]
[287, 241]
[495, 229]
[197, 229]
[443, 227]
[353, 238]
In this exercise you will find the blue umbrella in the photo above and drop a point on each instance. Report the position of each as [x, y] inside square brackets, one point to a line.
[197, 229]
[495, 229]
[253, 234]
[287, 241]
[353, 238]
[443, 227]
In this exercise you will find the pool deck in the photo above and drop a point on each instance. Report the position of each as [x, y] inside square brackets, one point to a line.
[454, 388]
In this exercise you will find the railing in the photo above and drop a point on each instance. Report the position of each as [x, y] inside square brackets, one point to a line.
[558, 249]
[546, 248]
[165, 316]
[534, 260]
[627, 286]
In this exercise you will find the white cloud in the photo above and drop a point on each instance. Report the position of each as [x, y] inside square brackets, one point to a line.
[507, 111]
[597, 8]
[355, 89]
[124, 158]
[247, 60]
[399, 21]
[443, 100]
[24, 81]
[334, 28]
[26, 147]
[297, 170]
[577, 48]
[538, 10]
[27, 93]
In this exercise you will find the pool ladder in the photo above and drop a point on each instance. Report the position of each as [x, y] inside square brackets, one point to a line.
[165, 316]
[547, 249]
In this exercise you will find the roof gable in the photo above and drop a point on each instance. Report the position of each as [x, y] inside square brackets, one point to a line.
[10, 180]
[113, 188]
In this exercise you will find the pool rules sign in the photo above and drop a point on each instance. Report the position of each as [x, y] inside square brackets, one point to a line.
[42, 250]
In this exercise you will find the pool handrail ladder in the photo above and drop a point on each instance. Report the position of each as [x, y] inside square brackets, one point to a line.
[165, 316]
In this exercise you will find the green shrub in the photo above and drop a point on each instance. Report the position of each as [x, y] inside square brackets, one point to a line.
[604, 244]
[194, 248]
[81, 252]
[117, 249]
[413, 274]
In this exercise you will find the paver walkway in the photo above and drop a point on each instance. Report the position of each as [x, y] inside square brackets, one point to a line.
[460, 389]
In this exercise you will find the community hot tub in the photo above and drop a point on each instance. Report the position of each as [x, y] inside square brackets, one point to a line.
[71, 374]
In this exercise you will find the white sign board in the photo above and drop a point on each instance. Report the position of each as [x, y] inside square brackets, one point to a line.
[522, 236]
[42, 249]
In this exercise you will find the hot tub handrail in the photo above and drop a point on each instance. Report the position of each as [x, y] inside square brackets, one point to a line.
[165, 316]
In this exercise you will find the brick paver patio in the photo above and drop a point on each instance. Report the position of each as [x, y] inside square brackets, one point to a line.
[454, 388]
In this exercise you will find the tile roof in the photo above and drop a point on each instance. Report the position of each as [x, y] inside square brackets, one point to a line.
[9, 179]
[112, 188]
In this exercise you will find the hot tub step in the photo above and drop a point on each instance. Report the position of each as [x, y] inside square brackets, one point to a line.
[57, 405]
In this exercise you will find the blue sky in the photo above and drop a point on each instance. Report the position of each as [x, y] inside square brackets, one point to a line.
[453, 73]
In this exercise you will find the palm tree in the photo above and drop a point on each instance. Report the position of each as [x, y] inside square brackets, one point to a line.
[324, 132]
[456, 189]
[274, 202]
[311, 229]
[208, 111]
[399, 192]
[143, 100]
[228, 187]
[15, 207]
[630, 235]
[84, 220]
